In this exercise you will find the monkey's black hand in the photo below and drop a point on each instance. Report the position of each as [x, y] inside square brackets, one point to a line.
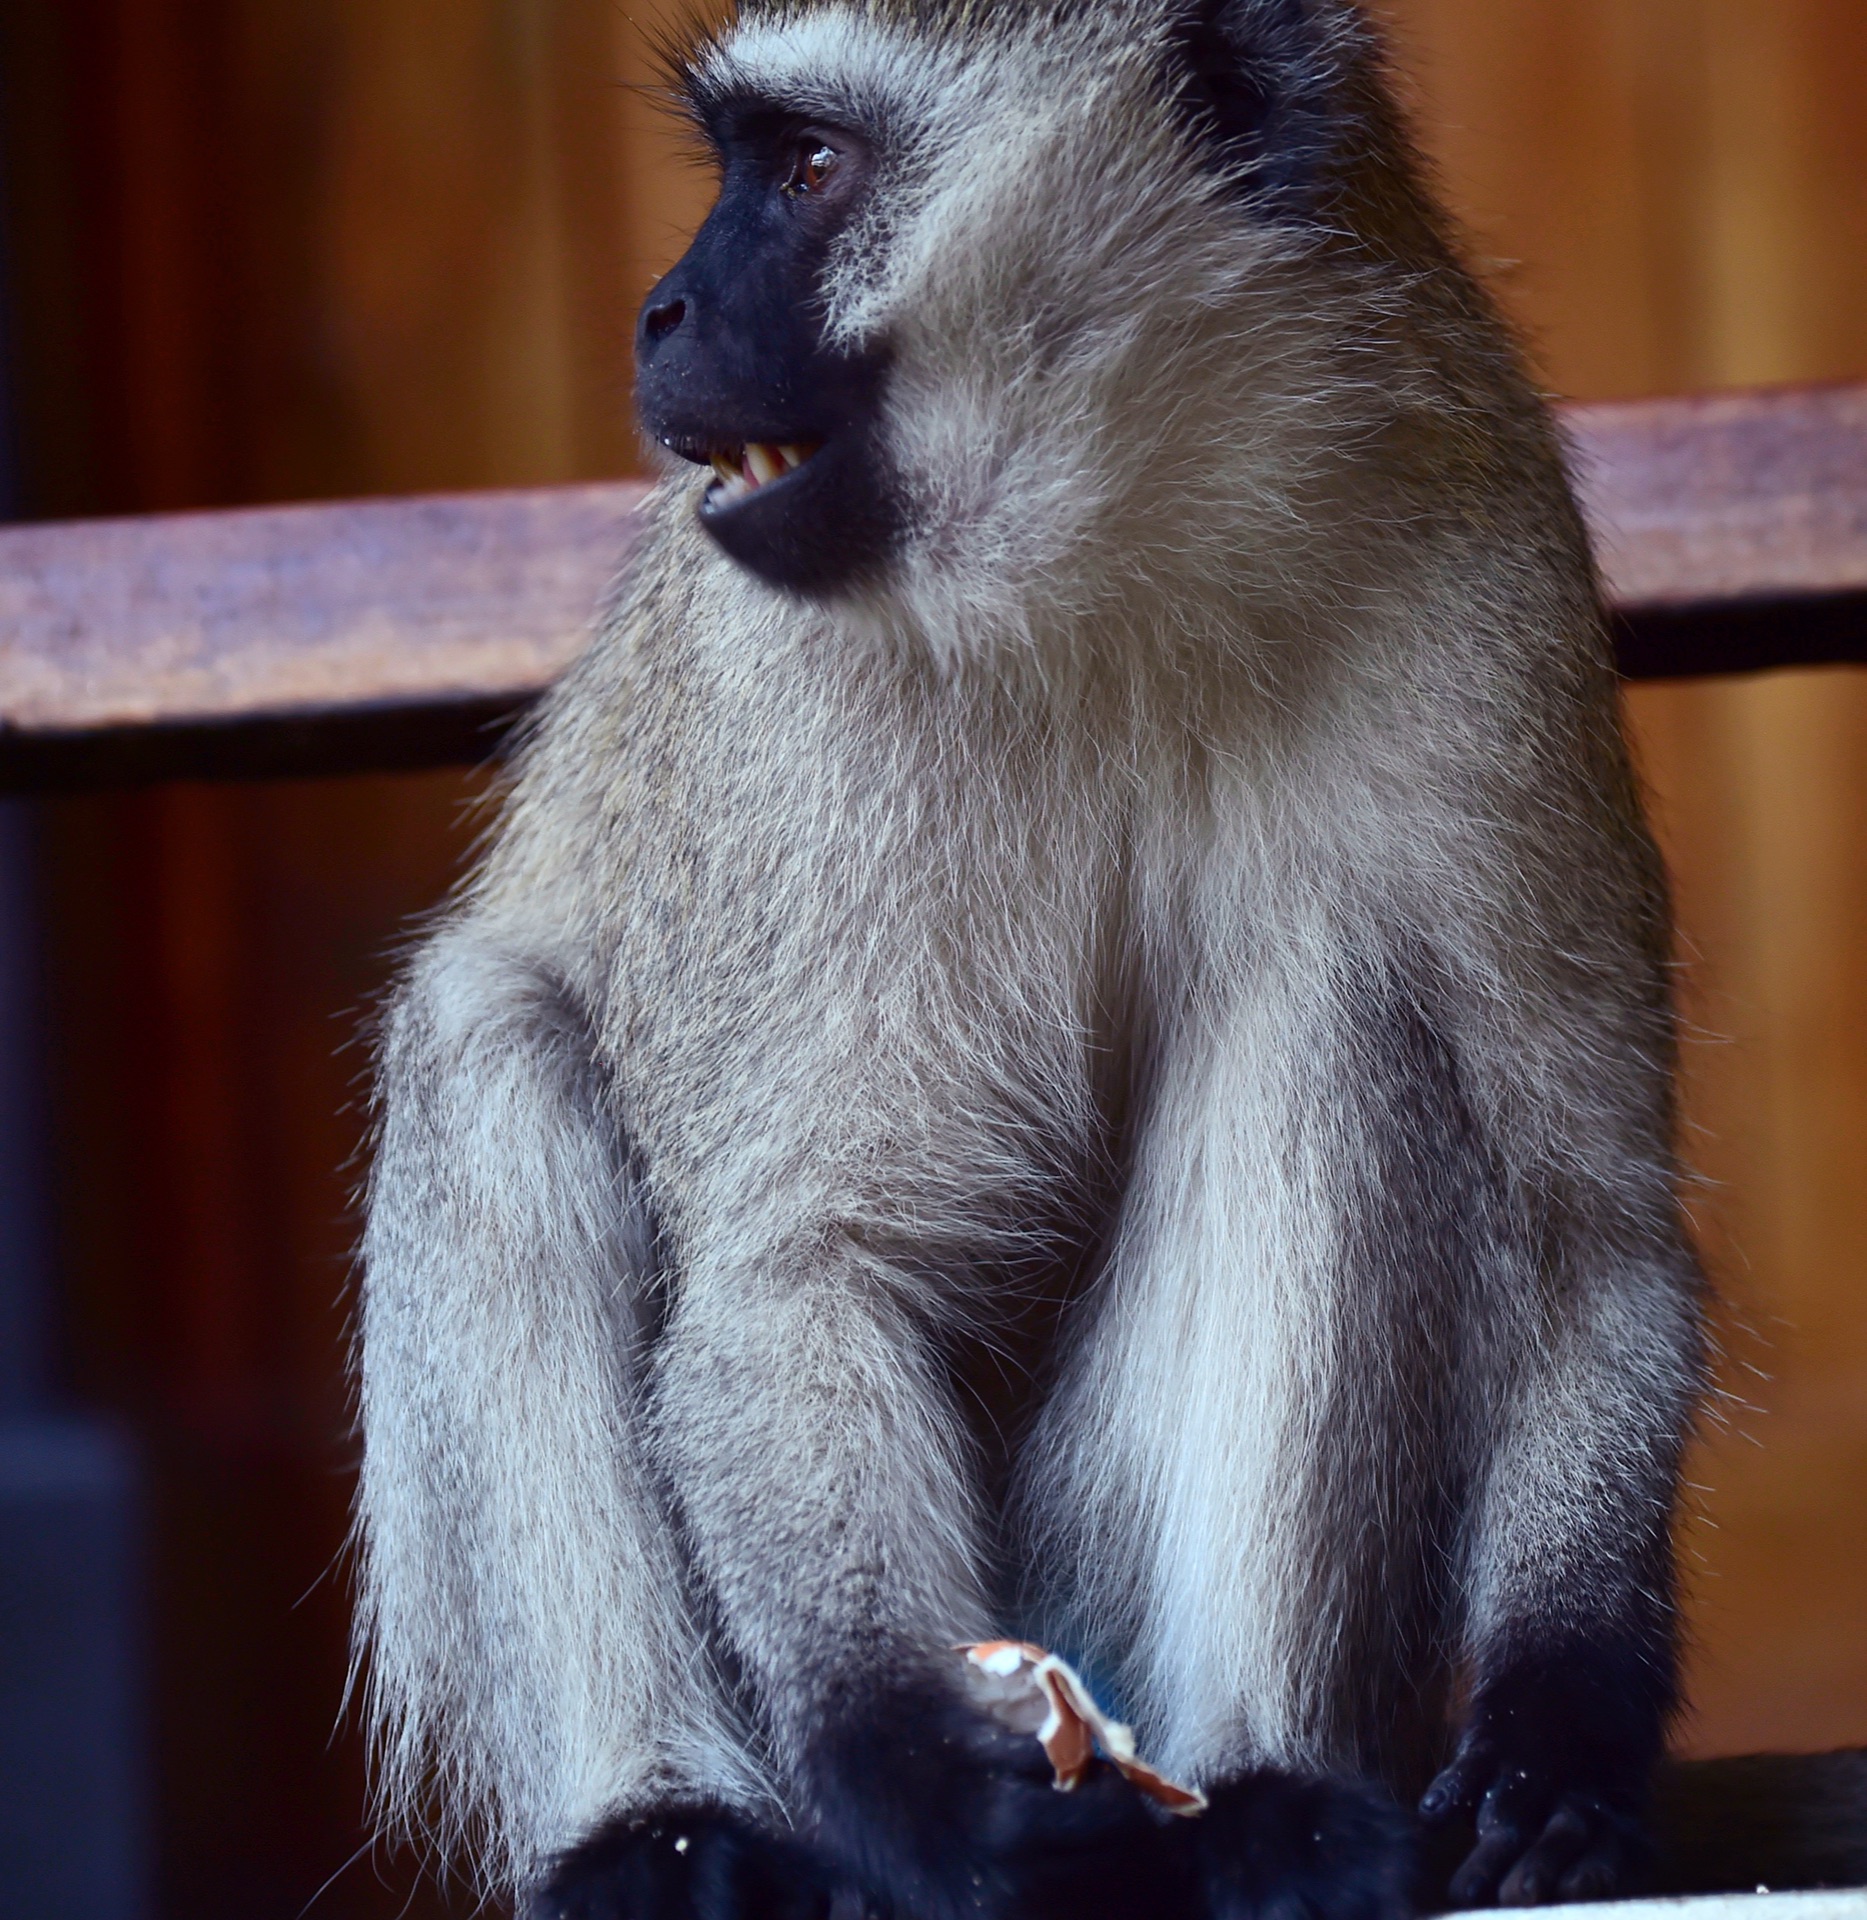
[689, 1863]
[946, 1816]
[1270, 1844]
[1553, 1770]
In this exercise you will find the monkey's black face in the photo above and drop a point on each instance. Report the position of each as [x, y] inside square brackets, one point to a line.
[733, 369]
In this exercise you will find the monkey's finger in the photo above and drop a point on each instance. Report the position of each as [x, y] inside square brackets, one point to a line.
[1476, 1882]
[1596, 1875]
[1534, 1878]
[1458, 1787]
[1510, 1816]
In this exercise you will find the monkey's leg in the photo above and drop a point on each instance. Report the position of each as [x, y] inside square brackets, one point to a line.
[807, 1429]
[1234, 1497]
[1572, 1631]
[1361, 1397]
[530, 1646]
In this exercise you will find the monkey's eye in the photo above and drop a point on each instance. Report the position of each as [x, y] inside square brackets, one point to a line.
[811, 166]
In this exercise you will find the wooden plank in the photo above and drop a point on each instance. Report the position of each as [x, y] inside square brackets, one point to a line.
[1720, 496]
[294, 639]
[1732, 530]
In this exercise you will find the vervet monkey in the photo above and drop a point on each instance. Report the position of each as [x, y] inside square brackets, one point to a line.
[1065, 1032]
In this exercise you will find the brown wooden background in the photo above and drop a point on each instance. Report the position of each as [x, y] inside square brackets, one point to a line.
[272, 249]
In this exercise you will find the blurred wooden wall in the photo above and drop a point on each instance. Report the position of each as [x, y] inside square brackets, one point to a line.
[283, 248]
[278, 249]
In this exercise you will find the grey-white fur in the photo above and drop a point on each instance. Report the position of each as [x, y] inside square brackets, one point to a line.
[1207, 850]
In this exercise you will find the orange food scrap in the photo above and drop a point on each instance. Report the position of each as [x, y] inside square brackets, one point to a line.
[1033, 1691]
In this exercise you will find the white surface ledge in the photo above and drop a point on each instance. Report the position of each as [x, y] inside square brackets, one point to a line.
[1838, 1903]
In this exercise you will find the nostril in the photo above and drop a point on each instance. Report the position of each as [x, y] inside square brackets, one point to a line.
[660, 321]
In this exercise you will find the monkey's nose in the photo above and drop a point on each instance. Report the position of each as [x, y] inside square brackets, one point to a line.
[660, 320]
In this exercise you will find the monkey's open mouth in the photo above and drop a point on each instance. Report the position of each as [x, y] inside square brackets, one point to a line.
[741, 471]
[802, 509]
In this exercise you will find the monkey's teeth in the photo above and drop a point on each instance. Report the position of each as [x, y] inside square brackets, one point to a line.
[730, 482]
[746, 468]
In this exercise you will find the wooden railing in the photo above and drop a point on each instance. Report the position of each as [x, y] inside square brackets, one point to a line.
[1732, 531]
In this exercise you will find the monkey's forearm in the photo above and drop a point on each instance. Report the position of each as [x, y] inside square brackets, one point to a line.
[820, 1475]
[812, 1450]
[520, 1597]
[1572, 1618]
[1576, 1507]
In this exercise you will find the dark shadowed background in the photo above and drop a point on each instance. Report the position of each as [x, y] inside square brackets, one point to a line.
[277, 249]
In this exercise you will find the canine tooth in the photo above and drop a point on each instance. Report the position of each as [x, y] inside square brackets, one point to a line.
[725, 468]
[762, 462]
[792, 455]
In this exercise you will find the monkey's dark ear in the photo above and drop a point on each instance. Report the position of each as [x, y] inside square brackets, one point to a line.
[1258, 80]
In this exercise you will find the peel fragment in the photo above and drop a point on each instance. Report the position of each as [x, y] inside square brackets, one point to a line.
[1031, 1690]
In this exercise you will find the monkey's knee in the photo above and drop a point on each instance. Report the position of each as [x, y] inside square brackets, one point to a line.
[1318, 1849]
[945, 1815]
[693, 1862]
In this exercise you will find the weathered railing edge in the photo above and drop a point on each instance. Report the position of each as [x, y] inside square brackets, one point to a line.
[466, 716]
[404, 736]
[1764, 633]
[1652, 644]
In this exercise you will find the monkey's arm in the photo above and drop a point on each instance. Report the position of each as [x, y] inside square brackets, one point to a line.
[1570, 1609]
[803, 1419]
[1572, 1625]
[521, 1603]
